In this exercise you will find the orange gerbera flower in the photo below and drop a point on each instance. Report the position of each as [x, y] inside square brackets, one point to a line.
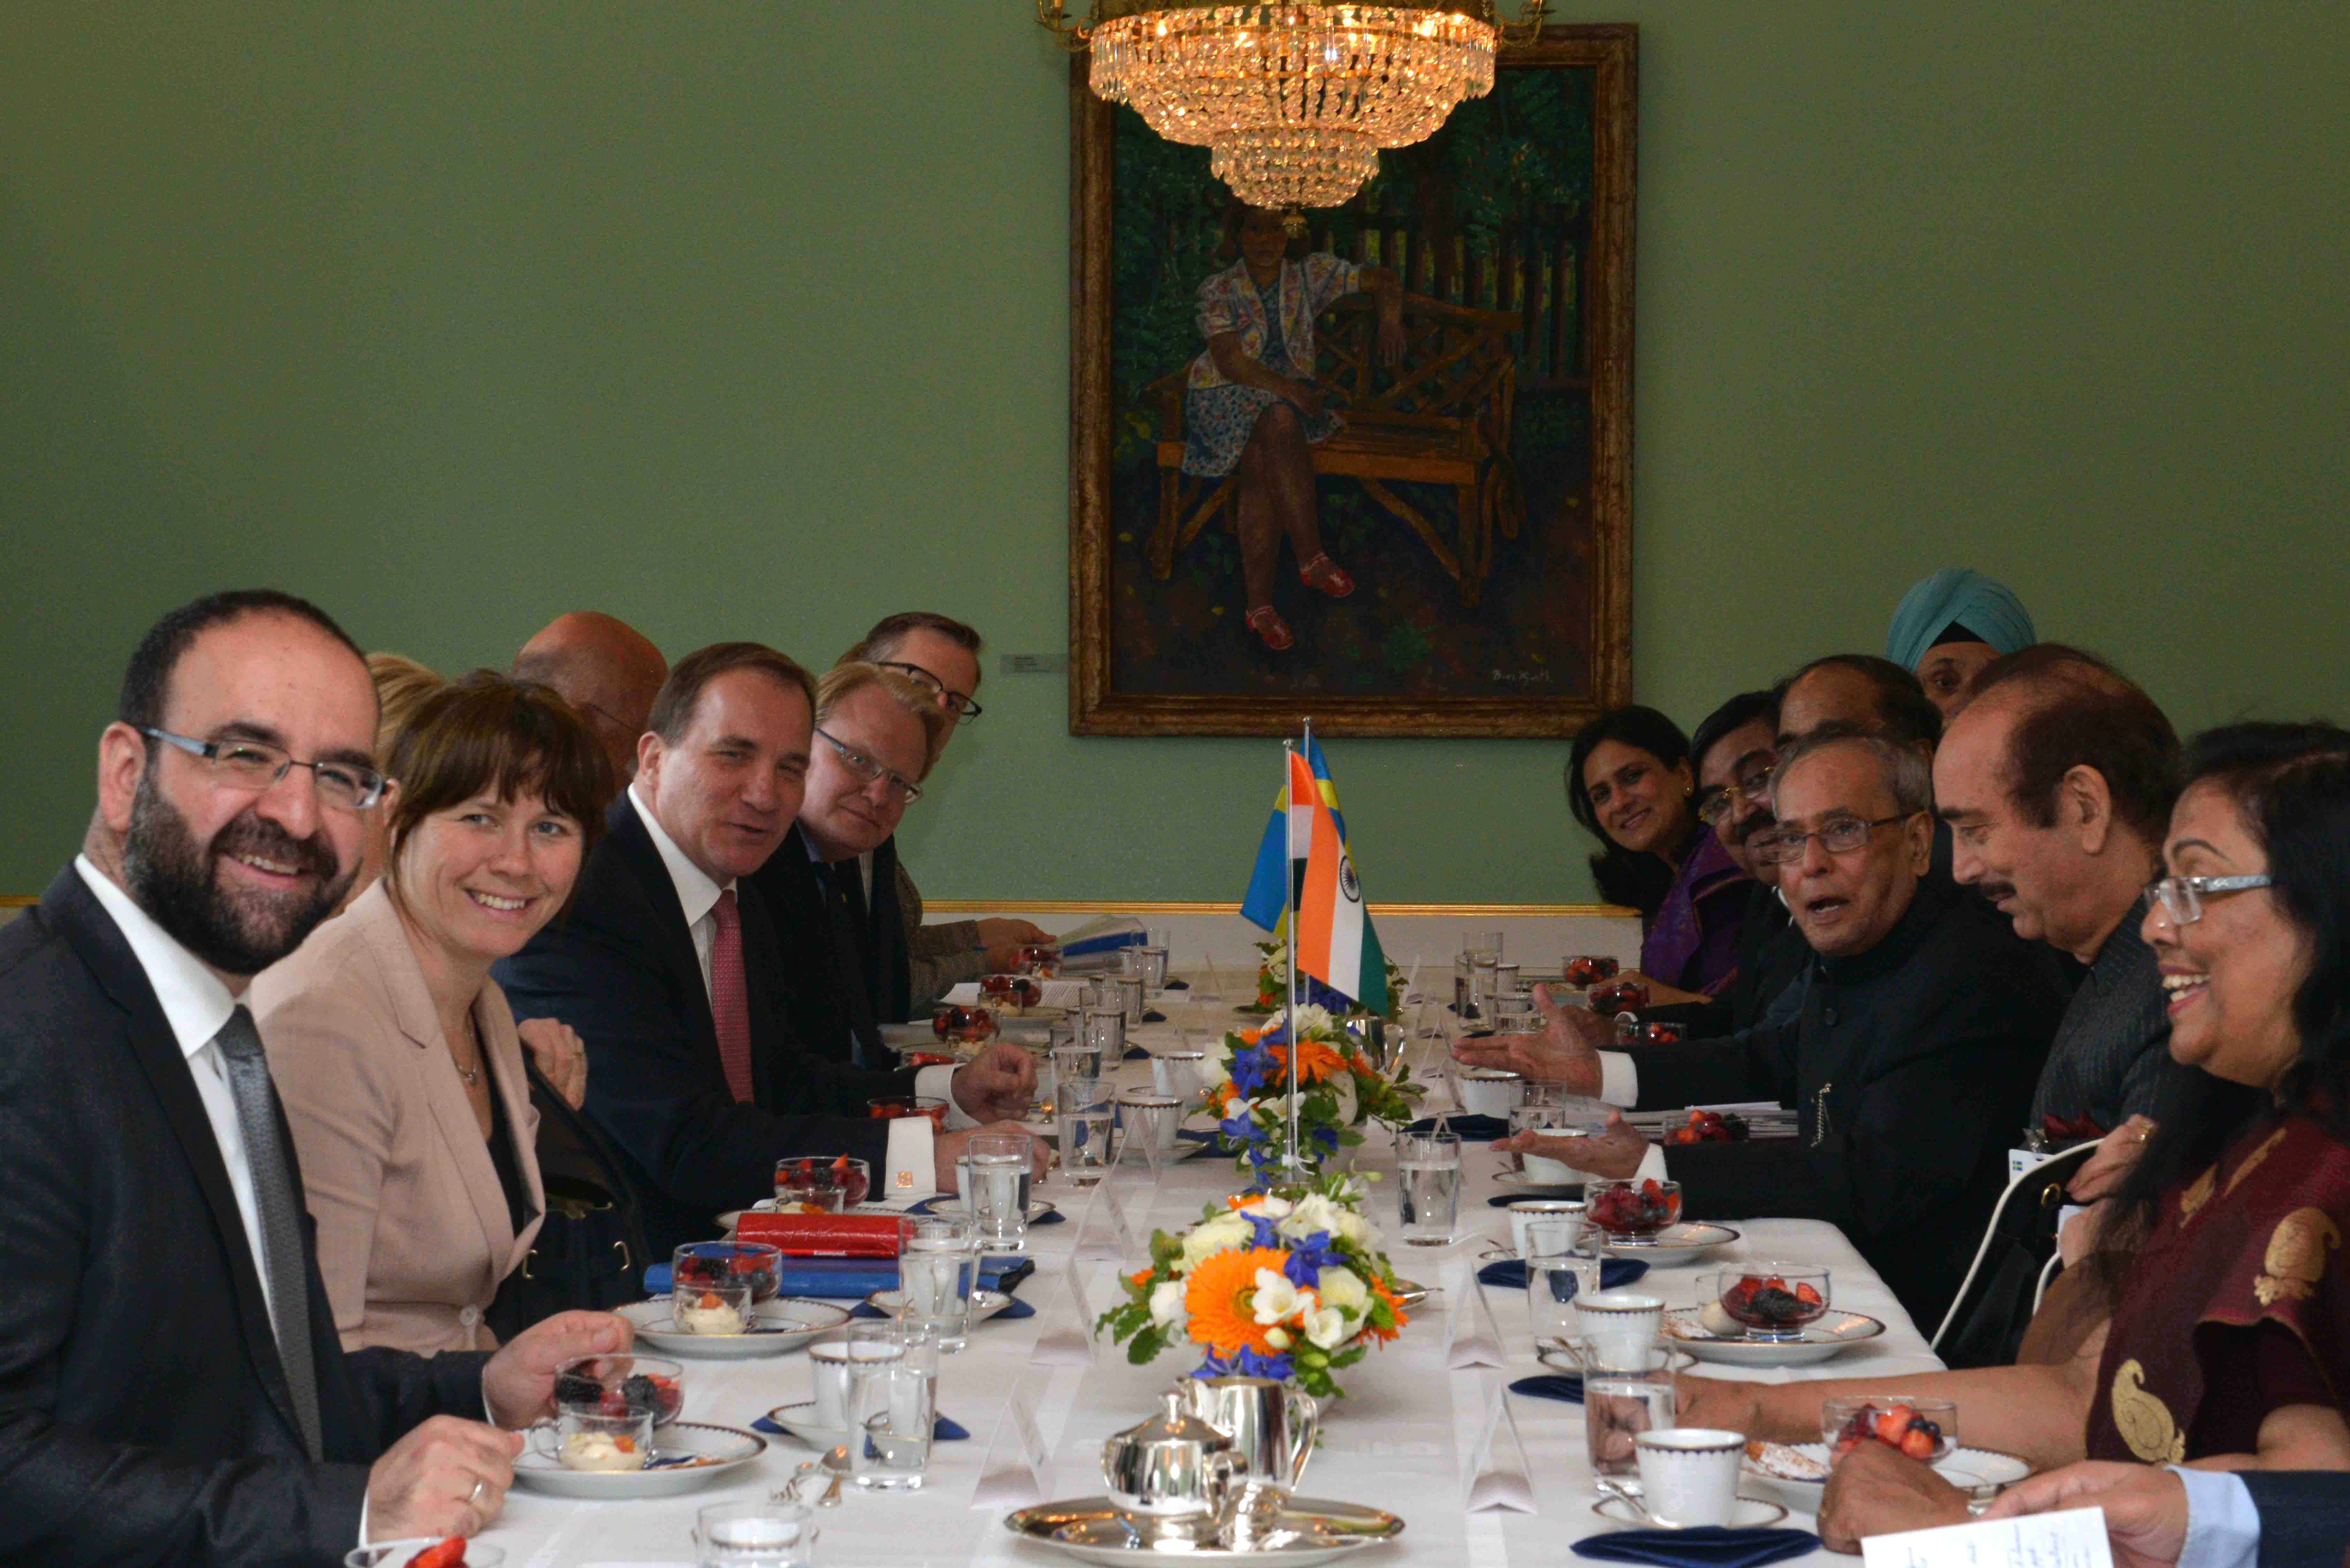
[1141, 1276]
[1216, 1296]
[1380, 1289]
[1316, 1060]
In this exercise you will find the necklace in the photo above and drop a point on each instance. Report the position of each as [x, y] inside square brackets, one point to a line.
[472, 1075]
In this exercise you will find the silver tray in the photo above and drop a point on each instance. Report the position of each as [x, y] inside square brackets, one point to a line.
[1312, 1530]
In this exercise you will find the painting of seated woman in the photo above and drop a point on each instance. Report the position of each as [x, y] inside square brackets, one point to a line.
[1372, 458]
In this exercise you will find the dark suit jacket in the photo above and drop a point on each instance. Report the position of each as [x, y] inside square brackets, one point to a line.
[844, 983]
[144, 1415]
[2304, 1516]
[1910, 1067]
[619, 967]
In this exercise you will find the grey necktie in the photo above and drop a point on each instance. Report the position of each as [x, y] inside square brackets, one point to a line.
[281, 1215]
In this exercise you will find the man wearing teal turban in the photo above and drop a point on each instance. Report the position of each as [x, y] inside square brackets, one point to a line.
[1952, 624]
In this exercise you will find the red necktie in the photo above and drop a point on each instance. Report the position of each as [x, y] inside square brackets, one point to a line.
[730, 1000]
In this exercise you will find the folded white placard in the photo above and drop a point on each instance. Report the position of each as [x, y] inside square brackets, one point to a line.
[1067, 1339]
[2073, 1538]
[1497, 1480]
[1014, 1471]
[1105, 1234]
[1475, 1342]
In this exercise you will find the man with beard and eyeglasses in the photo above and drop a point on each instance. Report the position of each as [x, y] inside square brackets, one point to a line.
[172, 1386]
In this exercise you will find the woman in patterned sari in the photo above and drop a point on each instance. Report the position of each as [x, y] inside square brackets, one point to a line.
[1251, 404]
[2228, 1345]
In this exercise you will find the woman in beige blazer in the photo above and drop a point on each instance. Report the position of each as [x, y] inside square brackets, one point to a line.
[400, 1065]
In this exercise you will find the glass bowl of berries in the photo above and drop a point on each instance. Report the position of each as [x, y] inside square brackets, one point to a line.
[622, 1386]
[1589, 971]
[1924, 1429]
[822, 1183]
[1040, 958]
[1626, 995]
[969, 1024]
[1011, 991]
[1773, 1302]
[704, 1262]
[1633, 1210]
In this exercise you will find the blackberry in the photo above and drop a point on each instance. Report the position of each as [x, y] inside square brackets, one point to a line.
[571, 1388]
[642, 1396]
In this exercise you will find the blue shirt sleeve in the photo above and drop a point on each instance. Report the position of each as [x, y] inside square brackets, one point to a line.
[2223, 1528]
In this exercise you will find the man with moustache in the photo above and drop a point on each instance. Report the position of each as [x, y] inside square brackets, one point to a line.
[2056, 779]
[172, 1386]
[1922, 1029]
[940, 655]
[1736, 748]
[698, 1067]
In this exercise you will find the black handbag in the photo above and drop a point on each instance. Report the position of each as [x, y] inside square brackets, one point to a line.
[1985, 1325]
[590, 1251]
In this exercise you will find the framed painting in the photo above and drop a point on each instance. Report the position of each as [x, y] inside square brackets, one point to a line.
[1377, 471]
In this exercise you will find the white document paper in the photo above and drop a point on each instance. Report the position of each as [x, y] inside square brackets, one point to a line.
[1476, 1342]
[1497, 1480]
[1013, 1473]
[1068, 1336]
[2073, 1538]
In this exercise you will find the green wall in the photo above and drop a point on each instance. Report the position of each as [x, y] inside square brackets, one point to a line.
[749, 319]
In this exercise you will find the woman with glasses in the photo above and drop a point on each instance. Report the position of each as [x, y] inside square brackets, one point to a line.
[2229, 1340]
[400, 1065]
[1628, 781]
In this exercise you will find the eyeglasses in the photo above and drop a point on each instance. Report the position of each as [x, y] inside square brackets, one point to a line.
[900, 787]
[2181, 898]
[1715, 804]
[963, 708]
[256, 766]
[1840, 836]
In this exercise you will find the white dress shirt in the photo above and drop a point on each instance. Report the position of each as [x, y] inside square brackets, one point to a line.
[196, 1005]
[2223, 1528]
[912, 1170]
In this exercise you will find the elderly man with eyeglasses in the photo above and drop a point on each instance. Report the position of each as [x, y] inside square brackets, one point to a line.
[940, 655]
[1914, 1056]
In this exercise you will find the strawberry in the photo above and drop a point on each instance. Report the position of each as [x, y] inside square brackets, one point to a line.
[1918, 1444]
[1808, 1296]
[448, 1554]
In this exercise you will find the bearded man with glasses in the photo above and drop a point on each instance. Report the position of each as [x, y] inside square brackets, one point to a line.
[940, 655]
[1922, 1032]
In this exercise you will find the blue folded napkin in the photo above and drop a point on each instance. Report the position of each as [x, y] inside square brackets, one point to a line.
[1150, 1015]
[1573, 1189]
[1017, 1309]
[1198, 1135]
[1566, 1386]
[1054, 1218]
[856, 1277]
[1709, 1546]
[1615, 1273]
[942, 1429]
[1135, 1053]
[1470, 1128]
[1176, 985]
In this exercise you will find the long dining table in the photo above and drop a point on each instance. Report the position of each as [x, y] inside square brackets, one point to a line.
[1405, 1436]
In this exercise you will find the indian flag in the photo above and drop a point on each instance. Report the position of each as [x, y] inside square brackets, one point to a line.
[1335, 944]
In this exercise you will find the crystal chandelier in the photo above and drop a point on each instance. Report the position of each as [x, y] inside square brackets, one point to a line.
[1294, 99]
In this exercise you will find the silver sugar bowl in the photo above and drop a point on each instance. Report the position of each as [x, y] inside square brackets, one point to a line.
[1172, 1477]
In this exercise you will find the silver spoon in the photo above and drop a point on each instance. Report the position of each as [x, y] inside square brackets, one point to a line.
[1616, 1489]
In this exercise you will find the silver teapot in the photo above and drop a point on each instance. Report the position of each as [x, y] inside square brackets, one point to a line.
[1174, 1476]
[1272, 1424]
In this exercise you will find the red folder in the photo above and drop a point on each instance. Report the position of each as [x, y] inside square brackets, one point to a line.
[823, 1235]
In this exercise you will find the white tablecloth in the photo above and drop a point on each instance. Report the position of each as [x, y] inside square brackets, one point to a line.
[1399, 1439]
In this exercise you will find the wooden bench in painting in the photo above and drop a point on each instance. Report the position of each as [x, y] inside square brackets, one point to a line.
[1441, 416]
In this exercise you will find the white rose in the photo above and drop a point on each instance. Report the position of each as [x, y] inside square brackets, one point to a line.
[1167, 1302]
[1212, 1236]
[1356, 1231]
[1272, 1207]
[1275, 1297]
[1312, 1020]
[1314, 1212]
[1343, 1290]
[1349, 1105]
[1326, 1328]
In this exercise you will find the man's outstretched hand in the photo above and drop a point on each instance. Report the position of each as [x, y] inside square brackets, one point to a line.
[1565, 1052]
[997, 1084]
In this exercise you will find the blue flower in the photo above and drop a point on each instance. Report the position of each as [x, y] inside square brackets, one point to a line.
[1253, 1070]
[1309, 1256]
[1266, 1235]
[1245, 1363]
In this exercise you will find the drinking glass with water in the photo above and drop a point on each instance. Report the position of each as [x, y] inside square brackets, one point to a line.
[1427, 1186]
[893, 1374]
[938, 1265]
[754, 1535]
[1085, 1122]
[996, 1171]
[1622, 1400]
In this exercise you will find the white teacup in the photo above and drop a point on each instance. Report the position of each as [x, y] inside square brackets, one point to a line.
[1526, 1210]
[1490, 1092]
[1689, 1475]
[1621, 1325]
[828, 1367]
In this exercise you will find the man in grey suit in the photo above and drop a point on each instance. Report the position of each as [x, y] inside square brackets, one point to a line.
[2056, 781]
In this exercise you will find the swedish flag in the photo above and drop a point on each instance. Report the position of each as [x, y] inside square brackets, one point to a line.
[1281, 858]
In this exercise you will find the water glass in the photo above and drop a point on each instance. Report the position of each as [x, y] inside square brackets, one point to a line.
[1102, 1029]
[1464, 988]
[1553, 1284]
[890, 1406]
[1482, 947]
[1620, 1402]
[1151, 1121]
[1427, 1186]
[1084, 1121]
[998, 1171]
[750, 1535]
[1130, 999]
[1154, 966]
[938, 1266]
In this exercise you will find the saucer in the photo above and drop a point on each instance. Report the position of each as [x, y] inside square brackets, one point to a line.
[1822, 1341]
[785, 1323]
[984, 1304]
[1519, 1181]
[686, 1455]
[1673, 1244]
[799, 1420]
[1968, 1469]
[1750, 1513]
[951, 1208]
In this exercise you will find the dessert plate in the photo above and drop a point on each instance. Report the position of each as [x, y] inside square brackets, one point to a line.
[1969, 1469]
[686, 1455]
[785, 1323]
[1310, 1531]
[800, 1421]
[1830, 1337]
[951, 1208]
[1678, 1243]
